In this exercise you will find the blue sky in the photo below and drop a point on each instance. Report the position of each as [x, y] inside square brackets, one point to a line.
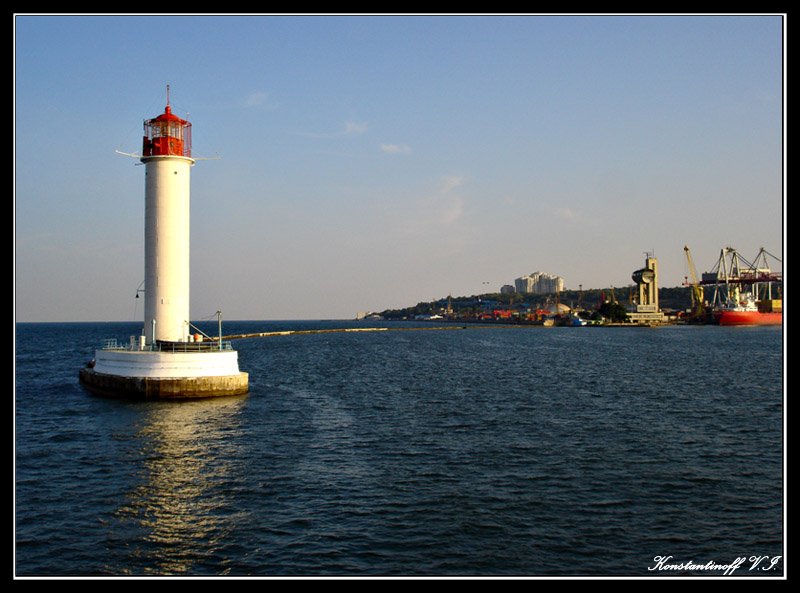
[371, 162]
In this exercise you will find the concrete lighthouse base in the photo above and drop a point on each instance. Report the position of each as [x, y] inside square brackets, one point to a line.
[164, 375]
[162, 387]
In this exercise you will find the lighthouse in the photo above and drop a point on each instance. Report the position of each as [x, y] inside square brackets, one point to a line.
[167, 360]
[166, 154]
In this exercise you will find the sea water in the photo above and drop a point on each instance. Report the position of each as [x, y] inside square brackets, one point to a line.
[483, 451]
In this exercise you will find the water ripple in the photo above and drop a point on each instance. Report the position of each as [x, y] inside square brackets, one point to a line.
[487, 452]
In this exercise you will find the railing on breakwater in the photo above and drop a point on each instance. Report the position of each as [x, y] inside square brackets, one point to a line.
[335, 330]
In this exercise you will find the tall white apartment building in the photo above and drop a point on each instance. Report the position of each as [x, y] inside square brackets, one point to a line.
[539, 282]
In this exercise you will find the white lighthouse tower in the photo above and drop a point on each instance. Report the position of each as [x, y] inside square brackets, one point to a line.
[166, 360]
[166, 153]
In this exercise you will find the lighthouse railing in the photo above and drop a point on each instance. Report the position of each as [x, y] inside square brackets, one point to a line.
[214, 346]
[135, 344]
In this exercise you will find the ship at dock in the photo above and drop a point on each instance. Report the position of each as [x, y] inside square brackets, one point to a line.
[750, 312]
[742, 293]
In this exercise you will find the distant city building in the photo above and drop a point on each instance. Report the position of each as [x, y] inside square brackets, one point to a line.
[507, 289]
[539, 283]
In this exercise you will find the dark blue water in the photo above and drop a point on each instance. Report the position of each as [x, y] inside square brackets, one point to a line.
[486, 451]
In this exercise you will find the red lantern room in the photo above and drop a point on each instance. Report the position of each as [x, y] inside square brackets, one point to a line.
[167, 135]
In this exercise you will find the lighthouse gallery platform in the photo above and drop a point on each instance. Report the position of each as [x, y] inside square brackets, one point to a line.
[165, 374]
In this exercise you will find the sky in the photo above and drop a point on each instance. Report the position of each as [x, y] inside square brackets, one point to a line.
[352, 163]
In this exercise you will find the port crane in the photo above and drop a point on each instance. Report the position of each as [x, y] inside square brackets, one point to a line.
[697, 290]
[733, 275]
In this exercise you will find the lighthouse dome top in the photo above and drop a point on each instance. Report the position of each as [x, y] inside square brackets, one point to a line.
[169, 116]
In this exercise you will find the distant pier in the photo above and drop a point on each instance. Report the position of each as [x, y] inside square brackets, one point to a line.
[455, 326]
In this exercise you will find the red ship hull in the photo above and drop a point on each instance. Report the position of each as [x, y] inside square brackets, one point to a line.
[748, 318]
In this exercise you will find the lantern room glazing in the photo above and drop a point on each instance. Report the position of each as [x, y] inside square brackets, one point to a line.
[167, 135]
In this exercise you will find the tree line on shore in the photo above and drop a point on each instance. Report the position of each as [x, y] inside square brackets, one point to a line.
[670, 299]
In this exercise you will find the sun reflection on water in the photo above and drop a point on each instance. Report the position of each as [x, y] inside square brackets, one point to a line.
[175, 518]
